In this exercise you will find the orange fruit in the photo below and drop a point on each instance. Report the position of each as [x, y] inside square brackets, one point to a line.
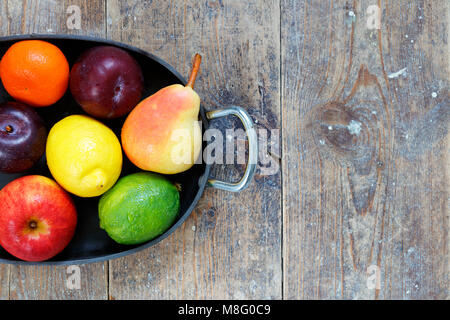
[35, 72]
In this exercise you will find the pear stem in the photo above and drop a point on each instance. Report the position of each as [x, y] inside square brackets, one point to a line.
[194, 71]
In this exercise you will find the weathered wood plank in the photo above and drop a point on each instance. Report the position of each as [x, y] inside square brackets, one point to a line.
[4, 282]
[50, 16]
[372, 193]
[23, 17]
[231, 245]
[364, 150]
[44, 283]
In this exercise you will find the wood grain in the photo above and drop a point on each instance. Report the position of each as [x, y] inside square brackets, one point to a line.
[50, 16]
[364, 150]
[231, 245]
[4, 282]
[24, 17]
[364, 124]
[49, 283]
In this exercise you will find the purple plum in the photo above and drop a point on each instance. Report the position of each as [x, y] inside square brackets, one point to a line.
[107, 82]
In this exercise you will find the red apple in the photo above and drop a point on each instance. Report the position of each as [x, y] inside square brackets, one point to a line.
[37, 218]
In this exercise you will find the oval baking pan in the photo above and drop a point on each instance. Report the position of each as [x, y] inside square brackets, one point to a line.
[90, 243]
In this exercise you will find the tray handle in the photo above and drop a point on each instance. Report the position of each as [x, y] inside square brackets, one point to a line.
[252, 146]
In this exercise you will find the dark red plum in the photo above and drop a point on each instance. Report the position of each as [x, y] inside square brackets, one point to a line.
[107, 82]
[22, 137]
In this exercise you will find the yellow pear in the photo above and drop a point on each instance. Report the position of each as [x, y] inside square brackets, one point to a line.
[162, 133]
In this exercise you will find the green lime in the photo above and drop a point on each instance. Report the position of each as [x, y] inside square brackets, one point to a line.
[139, 207]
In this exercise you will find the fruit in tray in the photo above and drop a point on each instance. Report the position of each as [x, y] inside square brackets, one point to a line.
[83, 155]
[106, 81]
[162, 133]
[37, 218]
[22, 137]
[140, 207]
[35, 72]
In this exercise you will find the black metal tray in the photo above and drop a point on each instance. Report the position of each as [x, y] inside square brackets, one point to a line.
[90, 243]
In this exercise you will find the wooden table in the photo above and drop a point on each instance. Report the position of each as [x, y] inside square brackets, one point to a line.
[363, 115]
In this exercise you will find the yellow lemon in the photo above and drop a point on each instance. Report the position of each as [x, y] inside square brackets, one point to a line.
[83, 155]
